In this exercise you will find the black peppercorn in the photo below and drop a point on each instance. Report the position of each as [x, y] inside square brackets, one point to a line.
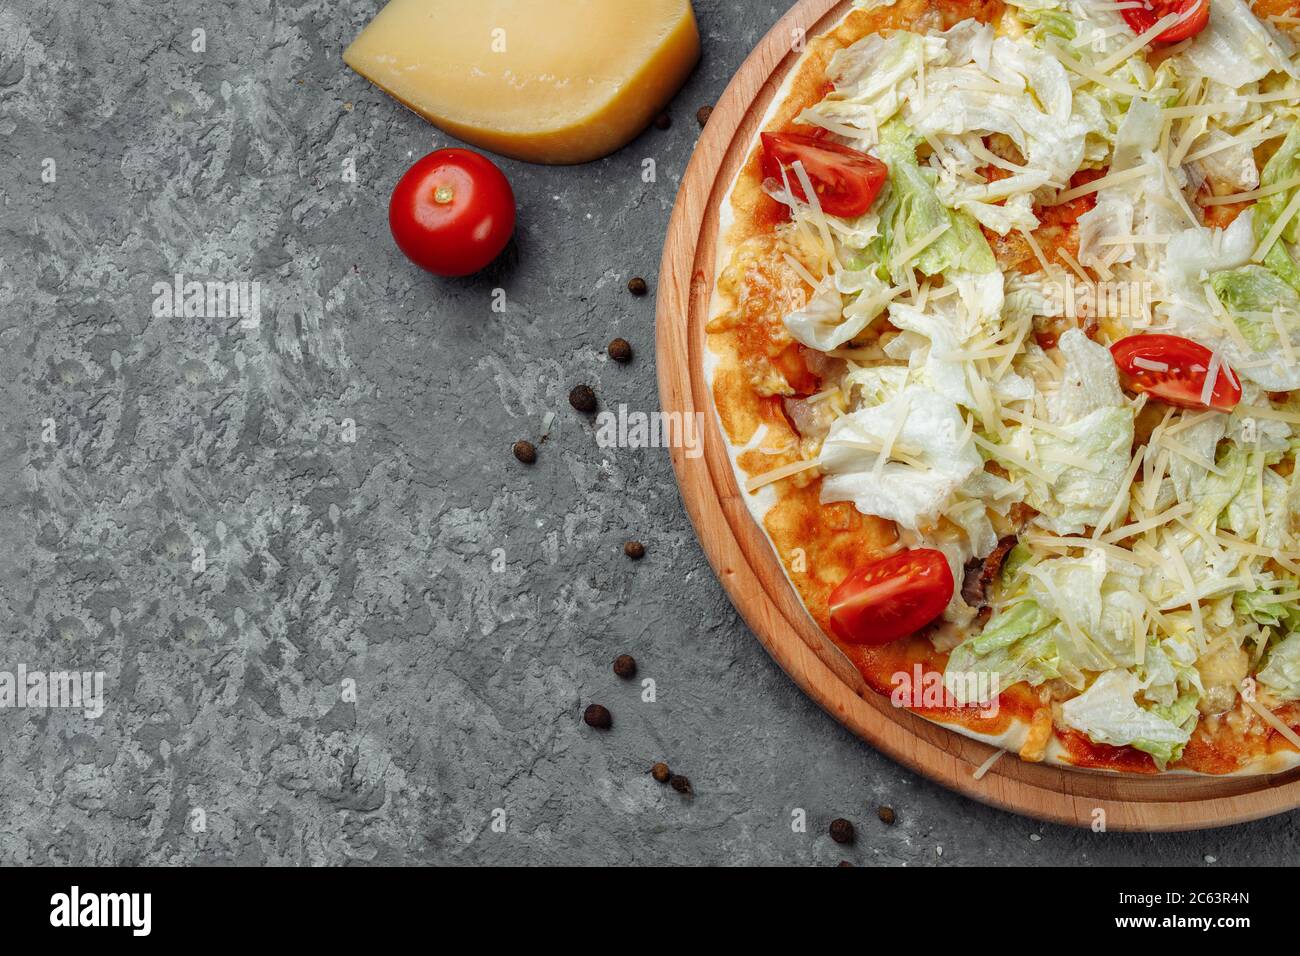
[663, 121]
[637, 286]
[703, 113]
[634, 550]
[680, 784]
[620, 351]
[660, 772]
[887, 815]
[583, 399]
[598, 717]
[625, 666]
[841, 830]
[525, 451]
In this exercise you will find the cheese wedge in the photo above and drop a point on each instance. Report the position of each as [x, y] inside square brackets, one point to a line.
[547, 81]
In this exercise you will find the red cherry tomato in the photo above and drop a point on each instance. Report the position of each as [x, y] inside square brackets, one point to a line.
[891, 598]
[1173, 369]
[845, 180]
[453, 212]
[1143, 18]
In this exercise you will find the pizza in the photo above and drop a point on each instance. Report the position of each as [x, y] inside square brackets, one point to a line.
[1003, 344]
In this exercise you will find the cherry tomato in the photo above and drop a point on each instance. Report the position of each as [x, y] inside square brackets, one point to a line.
[846, 181]
[892, 597]
[1173, 369]
[452, 212]
[1143, 18]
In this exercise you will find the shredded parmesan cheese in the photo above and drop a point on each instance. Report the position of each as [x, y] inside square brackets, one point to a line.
[1101, 79]
[776, 474]
[1274, 721]
[1267, 411]
[1141, 40]
[1250, 140]
[1252, 194]
[823, 227]
[993, 758]
[915, 249]
[1138, 527]
[1121, 497]
[1003, 455]
[1111, 179]
[1033, 245]
[1283, 336]
[1275, 232]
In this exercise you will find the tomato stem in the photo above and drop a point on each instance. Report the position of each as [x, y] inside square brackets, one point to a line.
[443, 195]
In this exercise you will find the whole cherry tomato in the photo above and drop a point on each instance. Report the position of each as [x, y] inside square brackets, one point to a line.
[452, 212]
[846, 181]
[892, 597]
[1195, 15]
[1173, 369]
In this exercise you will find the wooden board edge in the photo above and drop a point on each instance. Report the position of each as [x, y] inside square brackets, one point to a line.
[734, 545]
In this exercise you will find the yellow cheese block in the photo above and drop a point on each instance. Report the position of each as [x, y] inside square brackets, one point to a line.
[548, 81]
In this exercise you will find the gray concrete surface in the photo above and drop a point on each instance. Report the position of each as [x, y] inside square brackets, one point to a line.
[345, 468]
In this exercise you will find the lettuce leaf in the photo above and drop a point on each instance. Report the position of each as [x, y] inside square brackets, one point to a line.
[826, 323]
[1108, 713]
[1053, 23]
[1281, 675]
[1100, 615]
[1261, 486]
[1214, 492]
[1262, 606]
[1237, 48]
[914, 210]
[1251, 293]
[873, 78]
[1169, 671]
[1016, 645]
[932, 429]
[1283, 165]
[1077, 496]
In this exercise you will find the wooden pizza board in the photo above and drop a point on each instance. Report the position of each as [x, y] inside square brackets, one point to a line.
[751, 574]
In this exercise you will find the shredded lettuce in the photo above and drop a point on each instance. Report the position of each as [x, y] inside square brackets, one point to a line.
[1261, 487]
[1281, 675]
[1087, 453]
[1017, 559]
[873, 78]
[1202, 439]
[874, 385]
[1262, 606]
[1016, 645]
[1168, 671]
[913, 496]
[1251, 293]
[914, 210]
[1099, 613]
[1192, 253]
[1078, 495]
[927, 339]
[1045, 23]
[1284, 165]
[1108, 713]
[1213, 492]
[825, 323]
[1237, 48]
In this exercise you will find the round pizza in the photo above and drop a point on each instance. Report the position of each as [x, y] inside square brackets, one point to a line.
[1003, 341]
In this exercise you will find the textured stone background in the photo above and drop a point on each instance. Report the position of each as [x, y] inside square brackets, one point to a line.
[371, 560]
